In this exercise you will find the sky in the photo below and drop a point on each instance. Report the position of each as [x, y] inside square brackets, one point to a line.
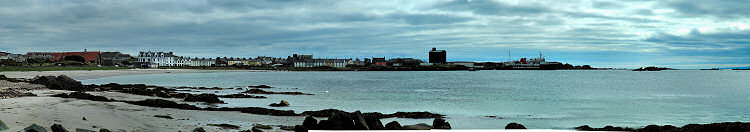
[619, 34]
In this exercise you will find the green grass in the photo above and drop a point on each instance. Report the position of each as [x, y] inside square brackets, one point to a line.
[59, 68]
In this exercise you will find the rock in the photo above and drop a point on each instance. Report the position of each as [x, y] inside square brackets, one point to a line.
[420, 126]
[322, 113]
[280, 104]
[208, 98]
[82, 95]
[83, 130]
[260, 86]
[200, 129]
[328, 125]
[582, 128]
[104, 130]
[300, 128]
[359, 121]
[259, 91]
[440, 124]
[373, 122]
[241, 96]
[58, 128]
[514, 126]
[415, 115]
[34, 128]
[310, 123]
[163, 104]
[225, 126]
[393, 126]
[61, 82]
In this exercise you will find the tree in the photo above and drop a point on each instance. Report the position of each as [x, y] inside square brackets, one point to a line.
[74, 58]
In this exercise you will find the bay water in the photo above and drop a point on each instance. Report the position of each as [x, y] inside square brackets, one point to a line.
[557, 99]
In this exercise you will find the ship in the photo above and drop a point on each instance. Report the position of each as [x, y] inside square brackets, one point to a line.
[532, 63]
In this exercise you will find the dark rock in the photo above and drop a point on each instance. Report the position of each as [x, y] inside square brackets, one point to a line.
[200, 129]
[208, 98]
[343, 119]
[415, 115]
[310, 123]
[241, 96]
[83, 130]
[82, 95]
[259, 91]
[359, 121]
[322, 113]
[393, 126]
[58, 128]
[255, 129]
[420, 126]
[28, 94]
[300, 128]
[225, 126]
[104, 130]
[260, 86]
[163, 104]
[606, 128]
[439, 123]
[514, 126]
[328, 125]
[34, 128]
[373, 122]
[61, 82]
[280, 104]
[584, 128]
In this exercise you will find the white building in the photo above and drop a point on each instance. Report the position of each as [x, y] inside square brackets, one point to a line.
[202, 62]
[158, 59]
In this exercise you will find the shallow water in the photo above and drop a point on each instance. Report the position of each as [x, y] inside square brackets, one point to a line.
[559, 99]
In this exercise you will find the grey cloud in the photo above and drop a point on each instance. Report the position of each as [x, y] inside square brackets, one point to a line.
[489, 7]
[722, 9]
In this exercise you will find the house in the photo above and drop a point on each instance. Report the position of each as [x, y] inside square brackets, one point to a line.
[323, 62]
[202, 62]
[39, 55]
[88, 56]
[115, 58]
[159, 59]
[4, 55]
[379, 61]
[17, 57]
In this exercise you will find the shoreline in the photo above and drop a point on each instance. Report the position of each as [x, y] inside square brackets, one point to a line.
[94, 74]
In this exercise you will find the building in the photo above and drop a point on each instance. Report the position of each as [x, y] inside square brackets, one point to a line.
[202, 62]
[17, 57]
[323, 62]
[404, 61]
[88, 56]
[115, 58]
[379, 61]
[39, 55]
[159, 59]
[4, 55]
[437, 56]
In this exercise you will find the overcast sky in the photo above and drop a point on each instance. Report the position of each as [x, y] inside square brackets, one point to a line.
[626, 34]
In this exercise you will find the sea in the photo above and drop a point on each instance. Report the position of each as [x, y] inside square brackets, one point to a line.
[490, 99]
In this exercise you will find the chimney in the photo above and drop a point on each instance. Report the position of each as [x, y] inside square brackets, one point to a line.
[433, 48]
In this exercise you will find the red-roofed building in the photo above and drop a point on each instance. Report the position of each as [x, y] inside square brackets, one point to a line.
[89, 56]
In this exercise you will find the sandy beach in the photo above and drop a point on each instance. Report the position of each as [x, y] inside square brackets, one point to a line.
[21, 112]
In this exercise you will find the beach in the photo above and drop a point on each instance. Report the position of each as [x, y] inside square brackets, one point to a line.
[21, 112]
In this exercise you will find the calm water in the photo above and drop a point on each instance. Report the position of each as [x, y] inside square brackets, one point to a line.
[536, 99]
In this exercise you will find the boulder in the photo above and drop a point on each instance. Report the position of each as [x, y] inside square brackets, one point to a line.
[439, 123]
[280, 104]
[359, 121]
[300, 128]
[34, 128]
[82, 95]
[104, 130]
[255, 129]
[61, 82]
[373, 122]
[163, 104]
[393, 126]
[58, 128]
[514, 126]
[208, 98]
[328, 125]
[322, 113]
[310, 123]
[84, 130]
[415, 115]
[344, 120]
[420, 126]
